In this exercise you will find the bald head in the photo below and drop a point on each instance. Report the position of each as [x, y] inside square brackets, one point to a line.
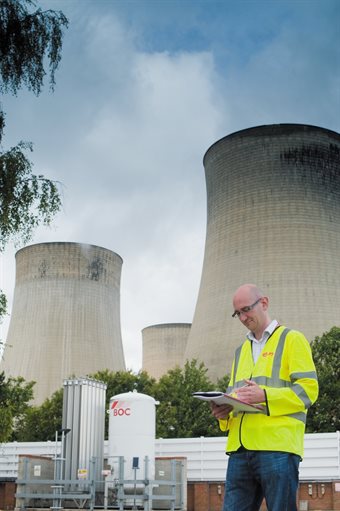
[257, 318]
[249, 291]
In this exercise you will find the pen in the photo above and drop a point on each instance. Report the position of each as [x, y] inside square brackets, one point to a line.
[234, 391]
[243, 386]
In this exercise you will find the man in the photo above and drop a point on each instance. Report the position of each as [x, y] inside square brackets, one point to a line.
[274, 368]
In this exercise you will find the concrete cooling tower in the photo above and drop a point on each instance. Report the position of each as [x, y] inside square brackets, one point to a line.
[273, 200]
[164, 347]
[65, 318]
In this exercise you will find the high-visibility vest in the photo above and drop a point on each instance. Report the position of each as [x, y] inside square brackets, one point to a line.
[286, 371]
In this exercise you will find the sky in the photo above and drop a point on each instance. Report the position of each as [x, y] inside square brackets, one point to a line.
[143, 89]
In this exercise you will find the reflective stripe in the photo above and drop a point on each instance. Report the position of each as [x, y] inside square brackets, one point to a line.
[277, 362]
[237, 359]
[276, 383]
[231, 387]
[271, 382]
[307, 374]
[301, 394]
[300, 416]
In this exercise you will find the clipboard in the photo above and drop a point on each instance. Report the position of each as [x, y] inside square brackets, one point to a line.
[221, 398]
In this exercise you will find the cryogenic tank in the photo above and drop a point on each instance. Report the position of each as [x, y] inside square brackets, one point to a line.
[84, 415]
[132, 432]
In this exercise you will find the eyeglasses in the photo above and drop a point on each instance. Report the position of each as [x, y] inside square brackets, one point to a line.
[246, 309]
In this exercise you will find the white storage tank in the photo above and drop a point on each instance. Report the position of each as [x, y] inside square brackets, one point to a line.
[132, 433]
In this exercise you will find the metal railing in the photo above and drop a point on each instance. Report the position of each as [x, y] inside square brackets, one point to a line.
[145, 492]
[56, 490]
[115, 492]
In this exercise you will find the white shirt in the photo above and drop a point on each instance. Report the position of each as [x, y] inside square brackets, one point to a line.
[258, 344]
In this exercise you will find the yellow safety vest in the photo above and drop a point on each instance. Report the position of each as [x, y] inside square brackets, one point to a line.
[286, 371]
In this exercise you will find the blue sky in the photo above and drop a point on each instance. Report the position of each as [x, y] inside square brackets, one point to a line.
[143, 89]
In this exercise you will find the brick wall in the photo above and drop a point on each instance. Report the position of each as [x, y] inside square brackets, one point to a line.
[320, 496]
[7, 491]
[208, 496]
[336, 495]
[205, 496]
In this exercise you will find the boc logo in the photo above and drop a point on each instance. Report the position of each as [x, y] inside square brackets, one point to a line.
[119, 410]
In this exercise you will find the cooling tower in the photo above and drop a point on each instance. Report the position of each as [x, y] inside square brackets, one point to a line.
[273, 219]
[164, 347]
[65, 318]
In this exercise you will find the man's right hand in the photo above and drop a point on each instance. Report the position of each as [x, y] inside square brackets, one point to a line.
[220, 411]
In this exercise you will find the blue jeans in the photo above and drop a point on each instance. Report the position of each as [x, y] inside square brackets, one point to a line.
[252, 475]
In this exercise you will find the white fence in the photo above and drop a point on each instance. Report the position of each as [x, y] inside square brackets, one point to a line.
[206, 458]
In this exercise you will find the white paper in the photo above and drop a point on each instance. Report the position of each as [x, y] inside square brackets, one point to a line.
[220, 398]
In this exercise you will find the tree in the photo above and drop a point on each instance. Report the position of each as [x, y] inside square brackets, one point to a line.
[3, 306]
[119, 382]
[324, 415]
[28, 41]
[222, 383]
[26, 200]
[179, 415]
[15, 395]
[40, 423]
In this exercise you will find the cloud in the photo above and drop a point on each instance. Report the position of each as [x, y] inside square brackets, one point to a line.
[133, 113]
[294, 77]
[131, 165]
